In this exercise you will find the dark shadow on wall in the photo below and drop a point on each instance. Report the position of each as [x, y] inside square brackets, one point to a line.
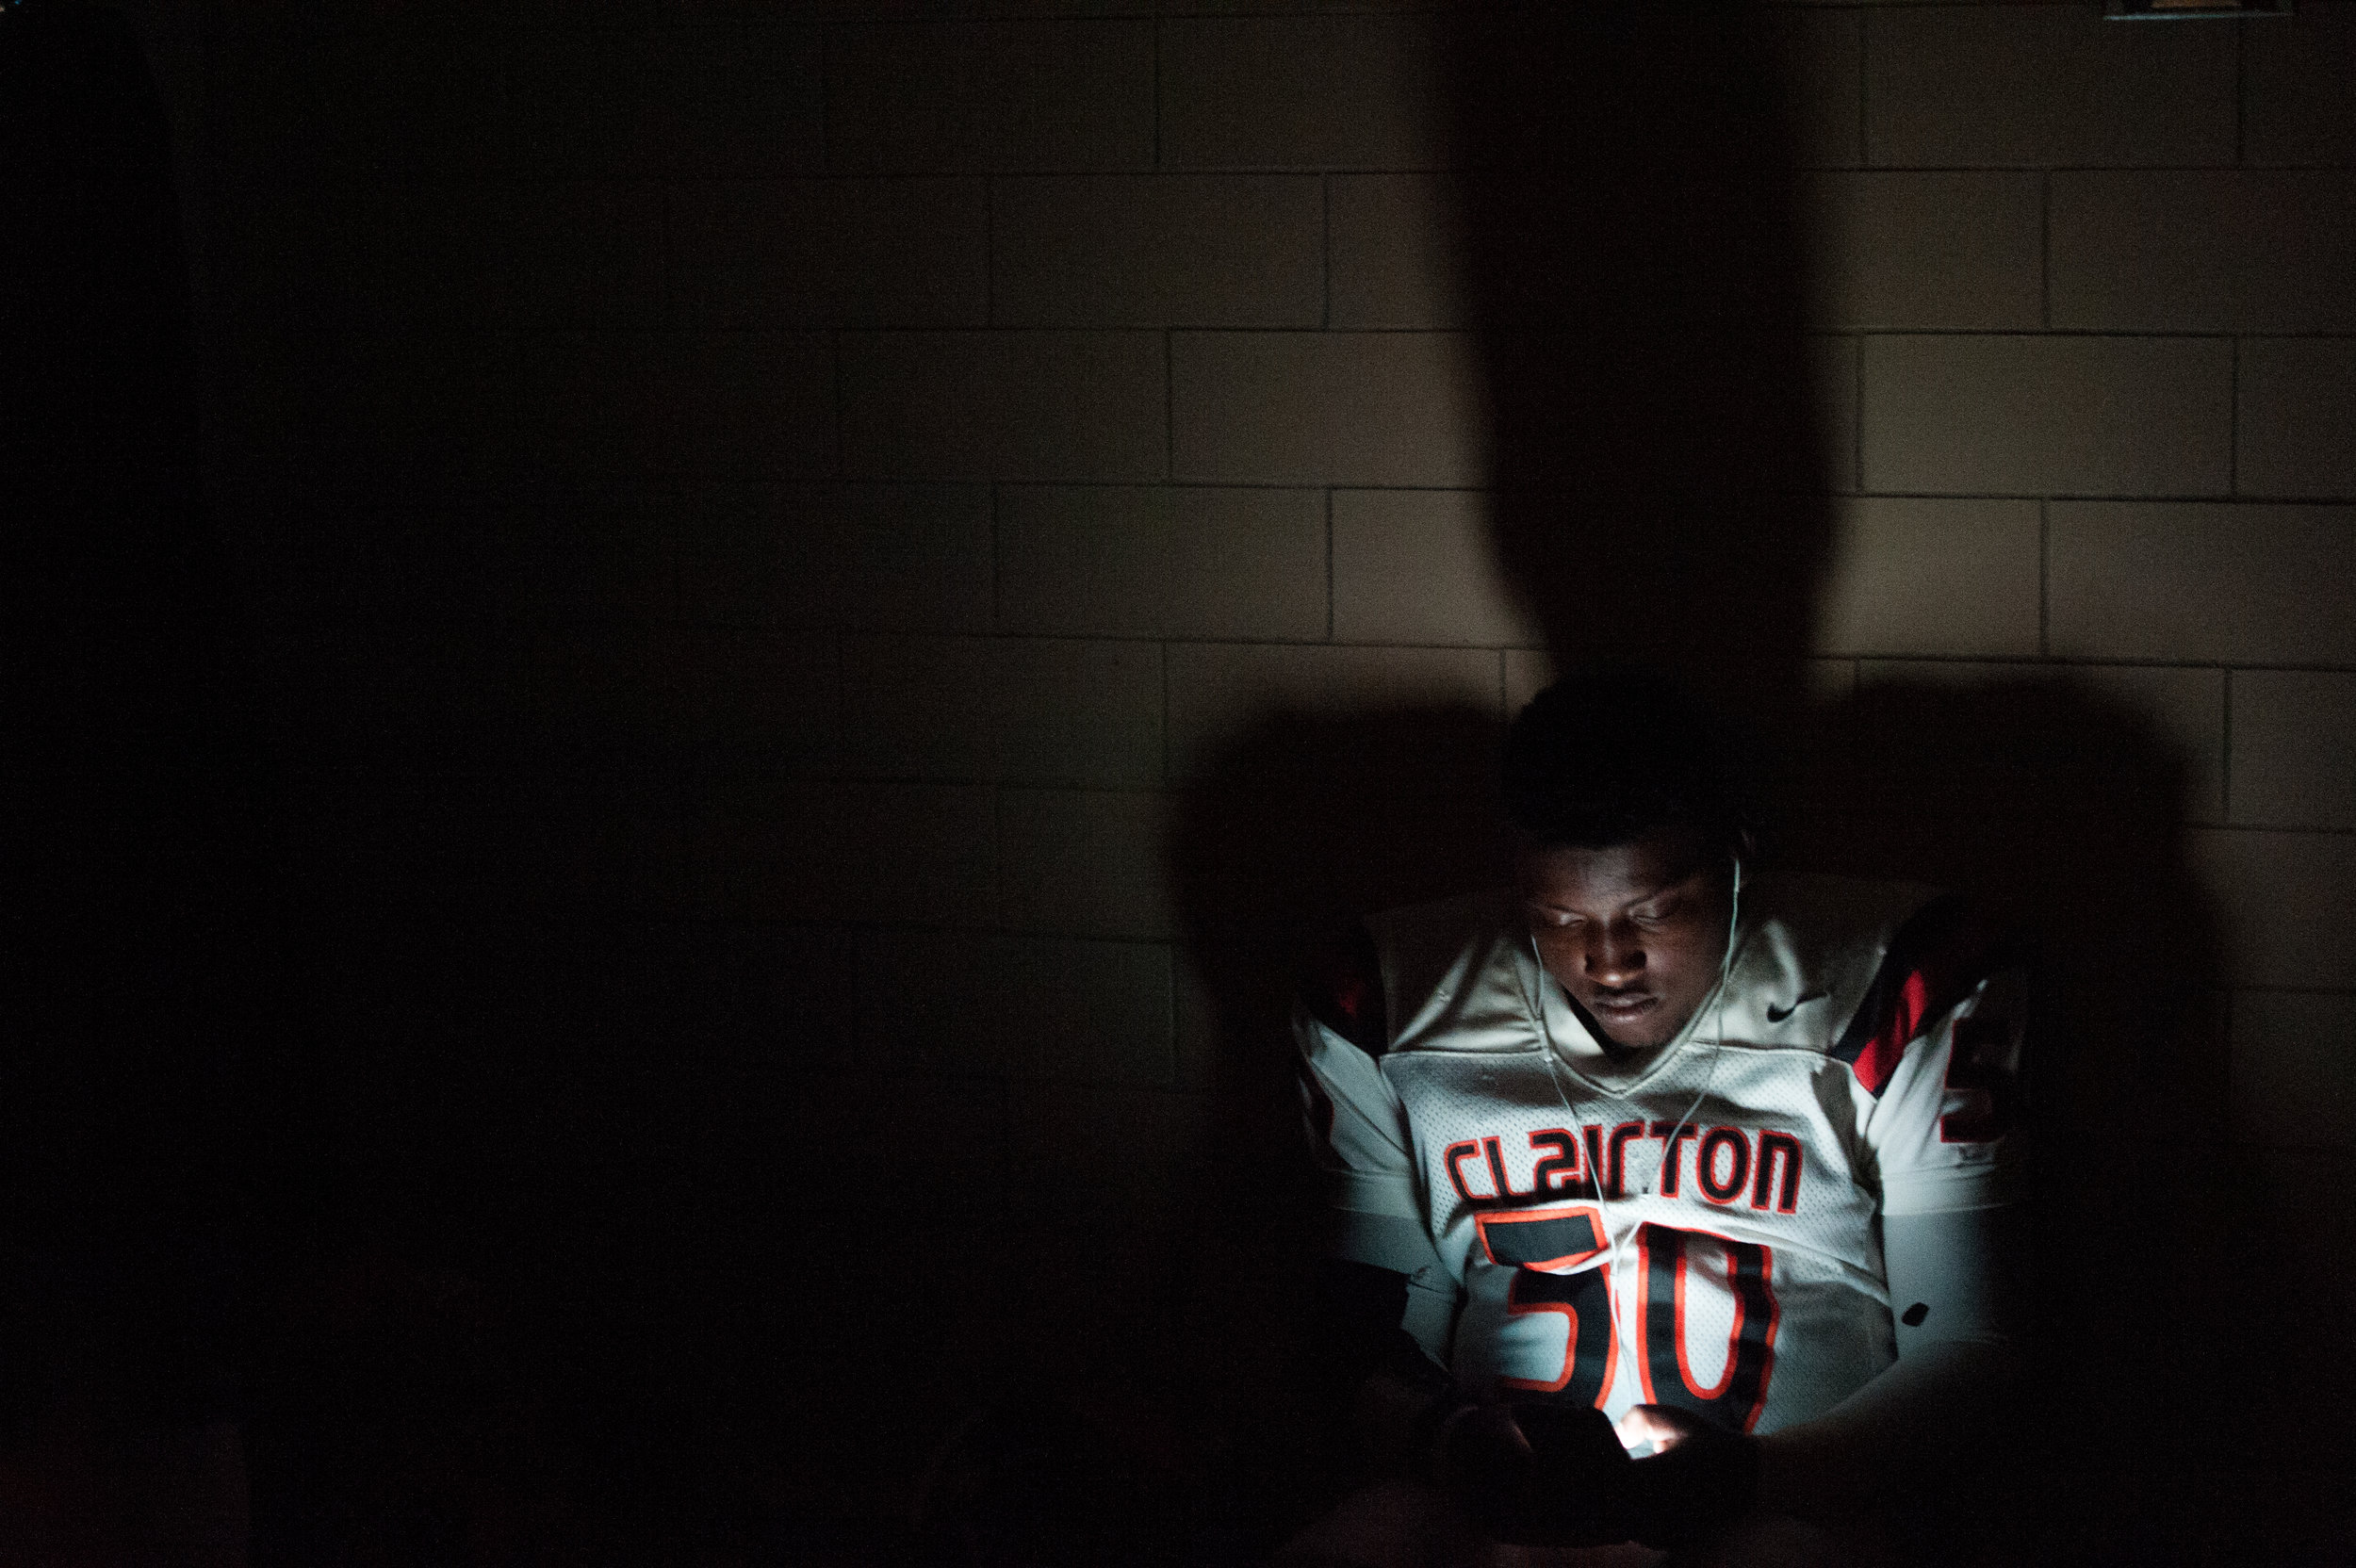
[1300, 824]
[1632, 254]
[130, 933]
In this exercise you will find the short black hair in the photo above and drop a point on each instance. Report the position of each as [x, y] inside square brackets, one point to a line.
[1612, 755]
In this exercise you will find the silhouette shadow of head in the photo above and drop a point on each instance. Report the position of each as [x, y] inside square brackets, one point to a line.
[1633, 264]
[1628, 255]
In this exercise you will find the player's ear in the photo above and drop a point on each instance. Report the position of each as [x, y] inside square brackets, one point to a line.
[1742, 848]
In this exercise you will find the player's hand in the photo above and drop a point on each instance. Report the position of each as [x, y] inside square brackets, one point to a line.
[1663, 1427]
[1698, 1479]
[1539, 1475]
[1476, 1438]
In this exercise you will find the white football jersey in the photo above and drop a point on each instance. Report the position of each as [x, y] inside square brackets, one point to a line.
[1707, 1234]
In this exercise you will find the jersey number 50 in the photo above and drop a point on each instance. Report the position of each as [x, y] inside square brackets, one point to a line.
[1665, 1259]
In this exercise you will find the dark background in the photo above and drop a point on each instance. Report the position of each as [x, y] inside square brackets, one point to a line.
[681, 678]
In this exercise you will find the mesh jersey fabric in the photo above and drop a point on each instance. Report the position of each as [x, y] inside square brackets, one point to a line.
[1570, 1239]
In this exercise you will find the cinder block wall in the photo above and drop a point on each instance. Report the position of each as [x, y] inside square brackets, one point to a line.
[784, 539]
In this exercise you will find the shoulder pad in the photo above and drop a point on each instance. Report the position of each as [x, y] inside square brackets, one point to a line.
[1343, 989]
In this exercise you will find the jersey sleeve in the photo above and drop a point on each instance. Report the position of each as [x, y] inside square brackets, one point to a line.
[1957, 1276]
[1357, 1133]
[1356, 1125]
[1936, 1047]
[1945, 1130]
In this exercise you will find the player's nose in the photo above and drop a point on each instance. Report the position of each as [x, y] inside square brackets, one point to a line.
[1614, 957]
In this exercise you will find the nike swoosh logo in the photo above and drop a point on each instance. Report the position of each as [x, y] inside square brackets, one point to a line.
[1776, 1015]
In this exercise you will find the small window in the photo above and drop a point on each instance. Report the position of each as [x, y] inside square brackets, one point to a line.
[2164, 10]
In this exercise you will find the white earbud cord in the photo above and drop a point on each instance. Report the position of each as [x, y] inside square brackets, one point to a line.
[1717, 1044]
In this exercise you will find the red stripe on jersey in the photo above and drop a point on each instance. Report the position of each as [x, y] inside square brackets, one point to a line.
[1944, 950]
[1878, 1061]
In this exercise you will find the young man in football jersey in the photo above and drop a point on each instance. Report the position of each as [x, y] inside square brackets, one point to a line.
[1673, 1203]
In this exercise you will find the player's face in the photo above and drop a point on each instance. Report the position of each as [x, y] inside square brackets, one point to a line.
[1635, 933]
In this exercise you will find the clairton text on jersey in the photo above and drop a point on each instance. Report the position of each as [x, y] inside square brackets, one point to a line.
[1726, 1164]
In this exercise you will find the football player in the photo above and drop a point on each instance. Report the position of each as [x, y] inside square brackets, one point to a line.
[1673, 1204]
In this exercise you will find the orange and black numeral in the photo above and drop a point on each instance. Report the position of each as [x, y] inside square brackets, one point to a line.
[1665, 1259]
[1589, 1348]
[1539, 1245]
[1553, 1252]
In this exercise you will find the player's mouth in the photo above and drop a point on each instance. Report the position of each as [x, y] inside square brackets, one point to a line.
[1619, 1009]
